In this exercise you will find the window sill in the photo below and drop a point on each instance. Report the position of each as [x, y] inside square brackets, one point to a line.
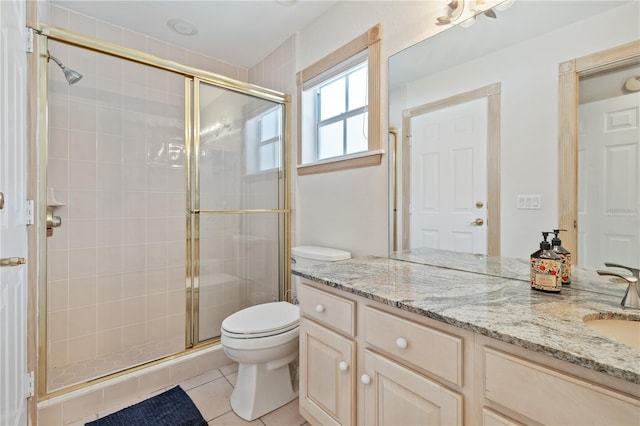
[353, 161]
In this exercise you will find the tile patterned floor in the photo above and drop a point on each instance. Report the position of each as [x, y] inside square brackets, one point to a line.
[211, 392]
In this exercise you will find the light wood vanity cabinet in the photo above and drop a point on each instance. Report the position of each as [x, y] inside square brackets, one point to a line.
[390, 391]
[551, 396]
[327, 358]
[394, 394]
[363, 363]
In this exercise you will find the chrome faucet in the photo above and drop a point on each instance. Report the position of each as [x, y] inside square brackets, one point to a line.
[631, 297]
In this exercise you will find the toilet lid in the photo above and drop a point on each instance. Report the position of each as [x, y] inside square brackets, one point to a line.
[267, 318]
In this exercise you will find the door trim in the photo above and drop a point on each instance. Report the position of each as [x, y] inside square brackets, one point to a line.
[569, 76]
[492, 94]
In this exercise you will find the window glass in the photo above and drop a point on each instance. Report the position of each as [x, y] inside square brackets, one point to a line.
[332, 99]
[336, 124]
[269, 123]
[358, 88]
[357, 140]
[263, 137]
[331, 137]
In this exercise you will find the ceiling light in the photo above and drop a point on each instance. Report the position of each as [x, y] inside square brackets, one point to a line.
[182, 27]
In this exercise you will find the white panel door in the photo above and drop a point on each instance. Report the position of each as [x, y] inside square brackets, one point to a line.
[13, 231]
[449, 178]
[609, 182]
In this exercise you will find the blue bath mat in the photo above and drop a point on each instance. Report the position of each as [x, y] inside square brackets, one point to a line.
[170, 408]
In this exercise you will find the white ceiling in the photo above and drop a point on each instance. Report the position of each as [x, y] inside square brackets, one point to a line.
[240, 32]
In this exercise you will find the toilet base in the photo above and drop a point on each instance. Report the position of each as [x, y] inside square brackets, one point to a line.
[260, 390]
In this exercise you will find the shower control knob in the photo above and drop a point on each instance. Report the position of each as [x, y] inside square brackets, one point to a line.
[319, 308]
[343, 366]
[365, 379]
[401, 343]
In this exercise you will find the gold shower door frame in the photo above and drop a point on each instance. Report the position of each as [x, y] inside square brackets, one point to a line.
[193, 78]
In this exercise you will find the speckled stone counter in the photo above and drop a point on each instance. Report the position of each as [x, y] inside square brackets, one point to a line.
[487, 303]
[518, 269]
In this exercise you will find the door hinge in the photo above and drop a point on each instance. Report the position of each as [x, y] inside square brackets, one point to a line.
[29, 212]
[29, 390]
[29, 40]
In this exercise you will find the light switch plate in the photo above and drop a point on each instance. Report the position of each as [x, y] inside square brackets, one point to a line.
[529, 201]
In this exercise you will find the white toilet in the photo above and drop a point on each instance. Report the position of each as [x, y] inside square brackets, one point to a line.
[263, 340]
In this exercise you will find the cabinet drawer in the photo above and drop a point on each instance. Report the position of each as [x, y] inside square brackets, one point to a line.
[491, 418]
[328, 309]
[432, 350]
[551, 397]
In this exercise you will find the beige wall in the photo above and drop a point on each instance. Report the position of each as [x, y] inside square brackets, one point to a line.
[349, 209]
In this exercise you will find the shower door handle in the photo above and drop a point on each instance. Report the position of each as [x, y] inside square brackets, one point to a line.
[52, 221]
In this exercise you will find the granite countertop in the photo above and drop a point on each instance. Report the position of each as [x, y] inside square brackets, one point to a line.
[492, 297]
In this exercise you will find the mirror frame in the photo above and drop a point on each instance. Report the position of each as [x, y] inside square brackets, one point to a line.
[569, 76]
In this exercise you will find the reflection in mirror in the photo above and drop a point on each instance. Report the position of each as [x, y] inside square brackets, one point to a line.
[607, 155]
[517, 54]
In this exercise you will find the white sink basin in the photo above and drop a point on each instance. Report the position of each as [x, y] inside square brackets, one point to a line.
[622, 329]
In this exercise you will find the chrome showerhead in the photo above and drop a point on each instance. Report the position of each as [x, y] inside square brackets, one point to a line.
[71, 75]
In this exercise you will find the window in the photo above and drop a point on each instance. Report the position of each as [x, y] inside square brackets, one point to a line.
[340, 121]
[342, 114]
[265, 131]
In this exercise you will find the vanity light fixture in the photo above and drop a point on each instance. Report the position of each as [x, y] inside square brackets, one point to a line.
[632, 84]
[456, 10]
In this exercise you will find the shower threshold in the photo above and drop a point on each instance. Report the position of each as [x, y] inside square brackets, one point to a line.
[84, 371]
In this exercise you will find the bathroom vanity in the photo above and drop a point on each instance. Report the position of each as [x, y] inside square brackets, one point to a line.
[389, 341]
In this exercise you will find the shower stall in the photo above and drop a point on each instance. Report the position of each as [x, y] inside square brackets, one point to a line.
[167, 207]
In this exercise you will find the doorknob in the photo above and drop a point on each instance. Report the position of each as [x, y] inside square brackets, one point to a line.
[478, 222]
[12, 261]
[1, 200]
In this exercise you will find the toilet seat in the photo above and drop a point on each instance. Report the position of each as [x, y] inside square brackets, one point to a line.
[258, 321]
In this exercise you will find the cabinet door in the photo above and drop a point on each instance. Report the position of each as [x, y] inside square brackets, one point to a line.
[327, 380]
[395, 395]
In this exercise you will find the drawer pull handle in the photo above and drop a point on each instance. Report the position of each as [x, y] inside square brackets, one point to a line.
[401, 343]
[319, 308]
[343, 366]
[365, 379]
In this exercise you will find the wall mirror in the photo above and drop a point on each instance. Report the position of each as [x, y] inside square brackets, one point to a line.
[474, 120]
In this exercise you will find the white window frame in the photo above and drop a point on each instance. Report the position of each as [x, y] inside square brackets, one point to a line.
[365, 47]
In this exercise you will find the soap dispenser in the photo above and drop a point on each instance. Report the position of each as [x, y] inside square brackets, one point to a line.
[546, 267]
[556, 246]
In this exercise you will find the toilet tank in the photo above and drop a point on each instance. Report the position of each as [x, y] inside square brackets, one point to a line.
[311, 255]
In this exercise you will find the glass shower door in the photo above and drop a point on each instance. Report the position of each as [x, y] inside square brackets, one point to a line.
[238, 201]
[116, 177]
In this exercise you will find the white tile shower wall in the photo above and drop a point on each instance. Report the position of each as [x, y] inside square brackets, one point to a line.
[116, 266]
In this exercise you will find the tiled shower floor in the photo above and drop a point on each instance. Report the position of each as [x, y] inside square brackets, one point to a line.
[83, 371]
